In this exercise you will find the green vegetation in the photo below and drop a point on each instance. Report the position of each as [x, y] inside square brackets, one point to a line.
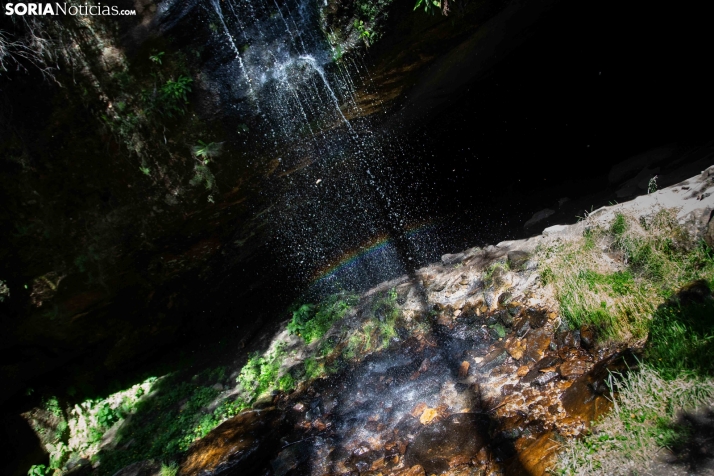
[495, 269]
[156, 58]
[166, 423]
[617, 293]
[377, 329]
[369, 10]
[203, 175]
[433, 7]
[206, 151]
[652, 185]
[260, 373]
[161, 417]
[642, 421]
[39, 470]
[364, 32]
[660, 287]
[311, 321]
[682, 340]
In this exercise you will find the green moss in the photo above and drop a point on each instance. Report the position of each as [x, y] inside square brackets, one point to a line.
[312, 321]
[313, 368]
[260, 373]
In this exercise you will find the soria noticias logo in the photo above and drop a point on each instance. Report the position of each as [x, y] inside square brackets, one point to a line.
[24, 8]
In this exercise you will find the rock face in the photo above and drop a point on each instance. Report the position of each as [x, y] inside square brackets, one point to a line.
[481, 377]
[450, 443]
[237, 446]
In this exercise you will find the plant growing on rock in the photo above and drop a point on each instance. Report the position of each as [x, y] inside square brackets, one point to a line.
[206, 151]
[39, 470]
[433, 6]
[170, 99]
[156, 58]
[312, 321]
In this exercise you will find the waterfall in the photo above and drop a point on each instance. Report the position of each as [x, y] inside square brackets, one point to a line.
[272, 64]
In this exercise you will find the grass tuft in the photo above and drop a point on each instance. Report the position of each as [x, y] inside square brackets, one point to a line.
[612, 277]
[627, 439]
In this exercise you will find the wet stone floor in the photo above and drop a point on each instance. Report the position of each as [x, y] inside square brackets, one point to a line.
[456, 399]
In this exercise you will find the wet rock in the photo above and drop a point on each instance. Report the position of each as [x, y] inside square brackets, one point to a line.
[521, 327]
[494, 359]
[537, 317]
[363, 457]
[538, 342]
[509, 389]
[544, 378]
[238, 445]
[569, 339]
[447, 443]
[444, 320]
[464, 369]
[574, 368]
[505, 317]
[535, 372]
[491, 319]
[504, 299]
[428, 416]
[514, 308]
[415, 470]
[587, 337]
[517, 259]
[499, 277]
[419, 409]
[290, 458]
[516, 348]
[708, 234]
[587, 398]
[535, 458]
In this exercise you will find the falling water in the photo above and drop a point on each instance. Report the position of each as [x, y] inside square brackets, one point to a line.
[330, 195]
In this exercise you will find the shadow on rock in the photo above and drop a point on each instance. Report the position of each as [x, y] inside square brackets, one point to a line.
[238, 446]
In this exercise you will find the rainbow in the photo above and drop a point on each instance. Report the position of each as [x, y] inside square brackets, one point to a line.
[375, 245]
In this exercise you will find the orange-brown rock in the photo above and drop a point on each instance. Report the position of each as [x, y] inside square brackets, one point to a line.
[538, 342]
[464, 369]
[428, 415]
[522, 370]
[574, 368]
[458, 437]
[378, 463]
[535, 458]
[445, 320]
[419, 409]
[234, 444]
[516, 348]
[415, 470]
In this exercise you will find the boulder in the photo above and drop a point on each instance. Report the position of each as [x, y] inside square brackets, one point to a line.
[517, 259]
